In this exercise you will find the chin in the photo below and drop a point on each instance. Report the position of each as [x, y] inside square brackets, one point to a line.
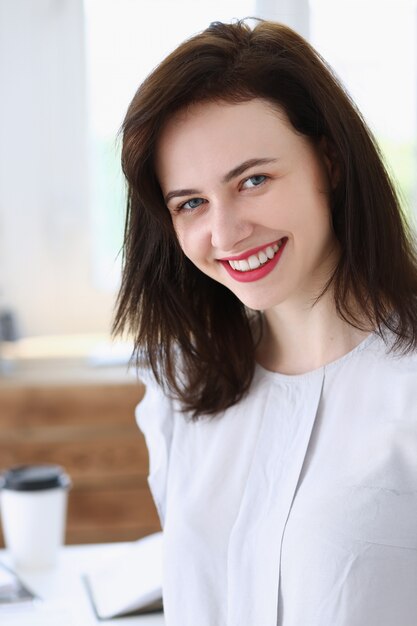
[259, 304]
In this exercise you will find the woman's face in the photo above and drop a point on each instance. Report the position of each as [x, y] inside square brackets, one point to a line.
[249, 200]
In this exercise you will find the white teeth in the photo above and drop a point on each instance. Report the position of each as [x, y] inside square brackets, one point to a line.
[242, 265]
[256, 260]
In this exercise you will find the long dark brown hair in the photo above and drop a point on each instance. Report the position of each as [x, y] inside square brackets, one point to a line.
[192, 331]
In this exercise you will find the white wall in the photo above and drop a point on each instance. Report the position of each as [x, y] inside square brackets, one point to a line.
[294, 13]
[45, 263]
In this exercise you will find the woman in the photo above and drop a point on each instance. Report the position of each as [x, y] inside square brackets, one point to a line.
[270, 282]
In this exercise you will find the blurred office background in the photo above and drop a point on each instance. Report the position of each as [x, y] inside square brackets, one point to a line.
[68, 69]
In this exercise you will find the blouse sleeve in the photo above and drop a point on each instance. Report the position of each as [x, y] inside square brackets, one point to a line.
[154, 416]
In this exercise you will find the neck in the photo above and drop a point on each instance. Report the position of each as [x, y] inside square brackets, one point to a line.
[298, 340]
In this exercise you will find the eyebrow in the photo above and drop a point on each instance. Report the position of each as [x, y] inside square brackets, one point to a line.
[236, 171]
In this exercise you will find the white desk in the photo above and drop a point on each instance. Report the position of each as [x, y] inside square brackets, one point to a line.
[64, 584]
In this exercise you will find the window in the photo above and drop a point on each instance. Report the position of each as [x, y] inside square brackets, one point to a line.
[372, 47]
[125, 40]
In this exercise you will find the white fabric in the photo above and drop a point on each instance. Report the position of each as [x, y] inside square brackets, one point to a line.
[298, 505]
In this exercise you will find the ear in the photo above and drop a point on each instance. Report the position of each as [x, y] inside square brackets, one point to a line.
[330, 160]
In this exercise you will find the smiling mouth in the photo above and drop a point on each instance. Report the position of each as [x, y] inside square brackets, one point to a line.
[254, 261]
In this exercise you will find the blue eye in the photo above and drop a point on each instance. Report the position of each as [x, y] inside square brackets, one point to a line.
[254, 181]
[192, 204]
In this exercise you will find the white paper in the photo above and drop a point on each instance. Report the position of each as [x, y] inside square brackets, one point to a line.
[129, 581]
[12, 590]
[36, 614]
[7, 578]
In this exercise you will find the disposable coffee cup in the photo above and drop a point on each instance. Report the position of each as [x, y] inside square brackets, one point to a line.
[33, 511]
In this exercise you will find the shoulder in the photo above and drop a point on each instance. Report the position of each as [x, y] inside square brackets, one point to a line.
[156, 410]
[394, 361]
[376, 380]
[155, 416]
[379, 351]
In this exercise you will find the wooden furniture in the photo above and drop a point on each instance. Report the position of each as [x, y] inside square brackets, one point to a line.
[82, 418]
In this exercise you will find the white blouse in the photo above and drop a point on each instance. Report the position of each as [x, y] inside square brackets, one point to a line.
[298, 505]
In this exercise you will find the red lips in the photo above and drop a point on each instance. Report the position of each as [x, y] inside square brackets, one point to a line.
[259, 272]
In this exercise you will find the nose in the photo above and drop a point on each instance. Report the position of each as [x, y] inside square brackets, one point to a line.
[229, 226]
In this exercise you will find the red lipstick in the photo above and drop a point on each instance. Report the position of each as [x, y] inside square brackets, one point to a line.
[259, 272]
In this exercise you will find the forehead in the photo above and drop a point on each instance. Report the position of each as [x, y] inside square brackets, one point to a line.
[218, 135]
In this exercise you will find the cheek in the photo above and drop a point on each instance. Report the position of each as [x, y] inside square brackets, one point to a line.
[188, 243]
[180, 233]
[314, 215]
[192, 241]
